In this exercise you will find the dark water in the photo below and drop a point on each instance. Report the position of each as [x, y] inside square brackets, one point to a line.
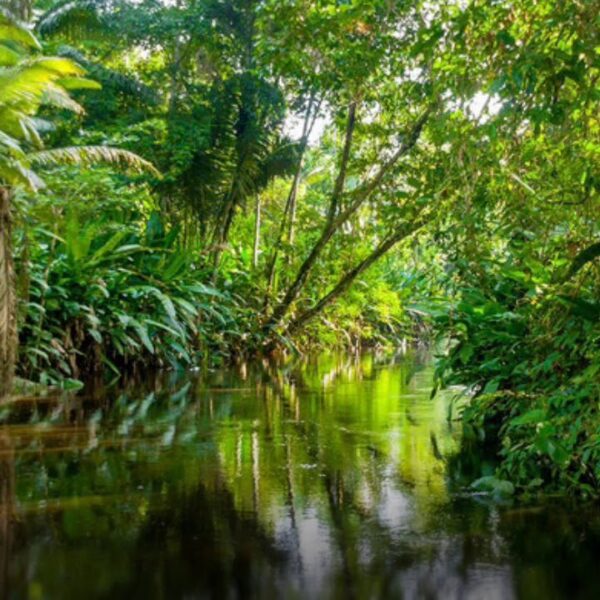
[328, 479]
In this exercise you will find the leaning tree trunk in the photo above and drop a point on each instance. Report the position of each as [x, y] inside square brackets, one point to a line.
[8, 305]
[257, 225]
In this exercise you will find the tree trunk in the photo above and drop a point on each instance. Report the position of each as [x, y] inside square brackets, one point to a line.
[257, 233]
[293, 209]
[346, 281]
[310, 118]
[277, 247]
[8, 304]
[221, 233]
[330, 226]
[336, 218]
[20, 8]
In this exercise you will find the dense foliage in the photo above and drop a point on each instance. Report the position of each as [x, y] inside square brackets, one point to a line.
[523, 322]
[335, 173]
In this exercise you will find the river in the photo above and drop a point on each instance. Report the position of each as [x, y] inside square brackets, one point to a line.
[333, 477]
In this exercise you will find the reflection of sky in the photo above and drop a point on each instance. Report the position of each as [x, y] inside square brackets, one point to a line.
[445, 577]
[394, 509]
[315, 549]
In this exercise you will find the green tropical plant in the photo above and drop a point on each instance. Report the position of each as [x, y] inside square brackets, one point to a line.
[28, 84]
[103, 297]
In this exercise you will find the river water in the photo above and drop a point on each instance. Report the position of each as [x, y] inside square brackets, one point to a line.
[336, 477]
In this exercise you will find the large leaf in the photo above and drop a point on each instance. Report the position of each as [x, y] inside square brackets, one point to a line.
[8, 56]
[11, 30]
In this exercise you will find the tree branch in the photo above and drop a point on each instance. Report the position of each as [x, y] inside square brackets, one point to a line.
[346, 281]
[329, 229]
[291, 199]
[359, 196]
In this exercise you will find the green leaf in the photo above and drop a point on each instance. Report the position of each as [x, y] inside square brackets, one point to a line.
[142, 332]
[78, 83]
[537, 415]
[491, 386]
[71, 385]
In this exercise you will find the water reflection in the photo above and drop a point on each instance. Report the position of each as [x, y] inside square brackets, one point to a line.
[326, 479]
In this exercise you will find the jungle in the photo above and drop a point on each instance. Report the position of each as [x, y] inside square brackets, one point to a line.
[288, 192]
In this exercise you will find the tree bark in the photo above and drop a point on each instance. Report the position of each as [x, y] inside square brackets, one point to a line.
[8, 304]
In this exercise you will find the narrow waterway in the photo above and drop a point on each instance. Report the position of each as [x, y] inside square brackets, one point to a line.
[331, 478]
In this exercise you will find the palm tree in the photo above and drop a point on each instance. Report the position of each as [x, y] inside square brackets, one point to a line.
[28, 82]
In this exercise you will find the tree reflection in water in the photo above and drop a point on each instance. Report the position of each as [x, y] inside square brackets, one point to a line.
[7, 510]
[330, 478]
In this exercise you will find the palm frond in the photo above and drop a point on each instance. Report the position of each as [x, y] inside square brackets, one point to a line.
[11, 122]
[111, 78]
[78, 83]
[54, 95]
[26, 83]
[11, 144]
[91, 155]
[42, 125]
[60, 65]
[17, 173]
[24, 88]
[74, 18]
[30, 132]
[12, 30]
[8, 56]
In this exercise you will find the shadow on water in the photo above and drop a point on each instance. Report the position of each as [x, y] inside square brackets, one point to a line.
[332, 478]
